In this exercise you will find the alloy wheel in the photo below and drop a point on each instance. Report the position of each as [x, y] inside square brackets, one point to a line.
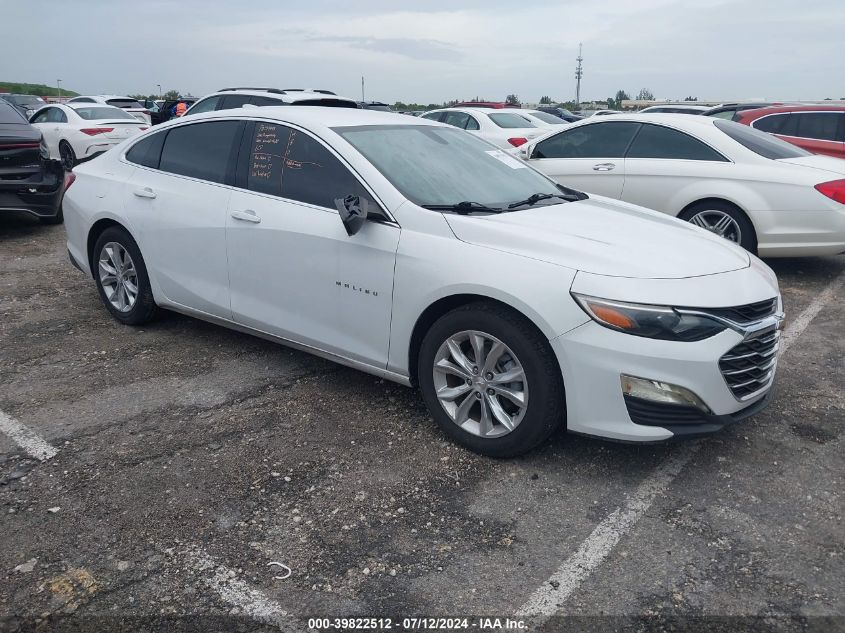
[480, 383]
[118, 276]
[67, 155]
[720, 223]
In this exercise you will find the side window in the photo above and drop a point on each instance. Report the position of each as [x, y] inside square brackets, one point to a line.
[817, 125]
[288, 163]
[266, 101]
[656, 141]
[202, 150]
[598, 140]
[727, 115]
[206, 105]
[147, 151]
[472, 124]
[773, 124]
[432, 116]
[234, 101]
[56, 116]
[458, 119]
[41, 117]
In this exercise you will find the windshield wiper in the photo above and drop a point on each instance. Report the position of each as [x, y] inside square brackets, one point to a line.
[569, 196]
[463, 208]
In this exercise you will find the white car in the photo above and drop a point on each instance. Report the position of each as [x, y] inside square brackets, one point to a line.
[79, 131]
[675, 109]
[416, 252]
[504, 127]
[133, 106]
[771, 197]
[541, 119]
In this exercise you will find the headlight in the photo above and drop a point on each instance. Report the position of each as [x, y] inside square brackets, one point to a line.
[660, 322]
[44, 150]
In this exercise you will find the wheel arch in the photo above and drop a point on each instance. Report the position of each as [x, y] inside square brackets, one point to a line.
[445, 304]
[94, 234]
[720, 200]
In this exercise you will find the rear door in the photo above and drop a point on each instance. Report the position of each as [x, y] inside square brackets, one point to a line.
[588, 157]
[661, 161]
[179, 202]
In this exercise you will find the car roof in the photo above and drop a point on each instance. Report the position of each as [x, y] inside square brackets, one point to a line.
[792, 108]
[291, 95]
[78, 104]
[667, 118]
[471, 110]
[312, 117]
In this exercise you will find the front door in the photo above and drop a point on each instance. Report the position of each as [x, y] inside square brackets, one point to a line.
[293, 270]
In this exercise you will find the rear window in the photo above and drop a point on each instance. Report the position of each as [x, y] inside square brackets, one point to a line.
[29, 101]
[10, 114]
[124, 103]
[765, 145]
[508, 120]
[327, 103]
[547, 118]
[93, 113]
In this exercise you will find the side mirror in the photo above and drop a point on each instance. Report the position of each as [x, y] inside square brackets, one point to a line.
[353, 212]
[525, 151]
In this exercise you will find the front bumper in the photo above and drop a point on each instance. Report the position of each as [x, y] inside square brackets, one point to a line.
[592, 359]
[40, 195]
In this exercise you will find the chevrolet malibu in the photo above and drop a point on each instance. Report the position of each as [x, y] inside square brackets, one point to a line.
[422, 254]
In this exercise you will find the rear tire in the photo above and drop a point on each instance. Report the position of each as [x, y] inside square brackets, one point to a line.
[499, 355]
[121, 277]
[708, 214]
[67, 155]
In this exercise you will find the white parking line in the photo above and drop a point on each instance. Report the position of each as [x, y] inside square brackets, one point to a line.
[236, 592]
[548, 598]
[803, 320]
[27, 439]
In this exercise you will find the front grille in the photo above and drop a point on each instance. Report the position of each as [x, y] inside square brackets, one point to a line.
[750, 366]
[746, 314]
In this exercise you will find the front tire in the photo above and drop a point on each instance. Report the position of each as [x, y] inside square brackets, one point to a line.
[490, 380]
[725, 220]
[121, 278]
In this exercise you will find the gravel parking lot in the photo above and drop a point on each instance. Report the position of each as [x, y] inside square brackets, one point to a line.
[181, 458]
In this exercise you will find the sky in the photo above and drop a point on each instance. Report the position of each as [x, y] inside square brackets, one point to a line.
[432, 51]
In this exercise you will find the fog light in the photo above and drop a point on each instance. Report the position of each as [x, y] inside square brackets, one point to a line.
[657, 391]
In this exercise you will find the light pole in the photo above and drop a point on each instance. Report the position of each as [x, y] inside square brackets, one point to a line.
[159, 90]
[59, 86]
[578, 74]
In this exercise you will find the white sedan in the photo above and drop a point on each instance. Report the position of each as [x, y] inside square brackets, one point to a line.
[541, 119]
[771, 197]
[417, 252]
[504, 127]
[78, 131]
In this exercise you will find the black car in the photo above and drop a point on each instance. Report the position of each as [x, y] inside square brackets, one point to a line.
[167, 110]
[29, 180]
[563, 113]
[26, 104]
[375, 105]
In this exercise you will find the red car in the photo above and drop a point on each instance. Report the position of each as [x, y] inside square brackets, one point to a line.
[819, 129]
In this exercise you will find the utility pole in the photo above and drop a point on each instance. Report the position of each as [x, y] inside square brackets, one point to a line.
[362, 88]
[59, 86]
[578, 74]
[159, 90]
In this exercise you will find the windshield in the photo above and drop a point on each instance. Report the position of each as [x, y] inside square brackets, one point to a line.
[102, 112]
[761, 143]
[433, 165]
[30, 101]
[547, 118]
[508, 120]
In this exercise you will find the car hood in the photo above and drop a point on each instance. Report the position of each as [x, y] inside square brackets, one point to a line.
[818, 161]
[604, 237]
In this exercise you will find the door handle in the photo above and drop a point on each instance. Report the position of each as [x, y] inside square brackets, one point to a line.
[604, 167]
[247, 215]
[146, 192]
